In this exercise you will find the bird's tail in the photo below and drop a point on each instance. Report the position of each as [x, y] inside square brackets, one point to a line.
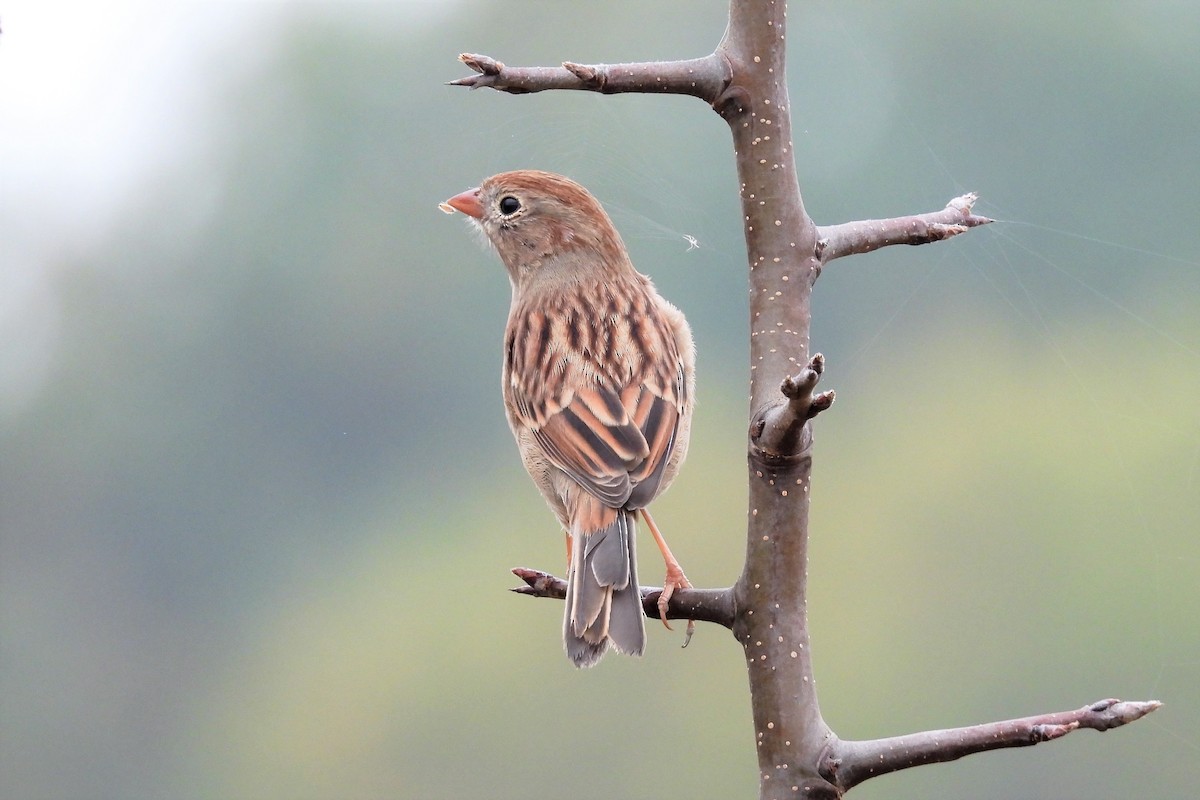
[604, 603]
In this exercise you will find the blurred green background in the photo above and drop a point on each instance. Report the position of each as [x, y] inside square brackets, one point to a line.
[258, 501]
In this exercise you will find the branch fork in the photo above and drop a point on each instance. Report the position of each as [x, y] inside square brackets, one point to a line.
[778, 432]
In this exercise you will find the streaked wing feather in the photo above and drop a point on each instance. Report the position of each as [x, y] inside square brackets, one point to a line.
[606, 413]
[658, 420]
[594, 441]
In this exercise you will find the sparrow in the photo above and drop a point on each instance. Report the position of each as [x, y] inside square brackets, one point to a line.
[598, 382]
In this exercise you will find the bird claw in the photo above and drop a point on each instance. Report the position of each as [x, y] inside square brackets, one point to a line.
[675, 580]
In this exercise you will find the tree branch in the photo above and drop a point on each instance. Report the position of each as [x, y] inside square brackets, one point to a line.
[705, 605]
[863, 236]
[781, 246]
[848, 763]
[745, 82]
[705, 77]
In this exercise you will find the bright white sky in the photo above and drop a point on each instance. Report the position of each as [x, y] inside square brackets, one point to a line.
[94, 98]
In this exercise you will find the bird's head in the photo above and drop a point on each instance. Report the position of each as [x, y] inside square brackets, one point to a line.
[544, 226]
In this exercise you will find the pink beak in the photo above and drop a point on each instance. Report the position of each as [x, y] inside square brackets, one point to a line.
[467, 202]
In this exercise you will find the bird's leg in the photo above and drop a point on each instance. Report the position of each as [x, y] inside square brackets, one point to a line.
[569, 550]
[675, 578]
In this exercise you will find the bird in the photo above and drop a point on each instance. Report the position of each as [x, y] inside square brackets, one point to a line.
[598, 381]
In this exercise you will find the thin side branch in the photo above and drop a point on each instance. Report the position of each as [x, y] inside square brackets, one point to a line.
[777, 433]
[705, 77]
[863, 236]
[847, 764]
[706, 605]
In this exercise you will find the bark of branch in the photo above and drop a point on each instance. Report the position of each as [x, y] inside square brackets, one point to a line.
[847, 764]
[866, 235]
[705, 605]
[781, 245]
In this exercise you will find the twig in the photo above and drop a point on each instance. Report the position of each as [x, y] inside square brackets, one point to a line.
[777, 432]
[863, 236]
[705, 77]
[706, 605]
[848, 763]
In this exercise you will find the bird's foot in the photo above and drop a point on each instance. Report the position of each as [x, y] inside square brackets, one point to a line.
[675, 579]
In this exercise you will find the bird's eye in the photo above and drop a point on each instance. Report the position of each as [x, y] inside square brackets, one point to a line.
[509, 205]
